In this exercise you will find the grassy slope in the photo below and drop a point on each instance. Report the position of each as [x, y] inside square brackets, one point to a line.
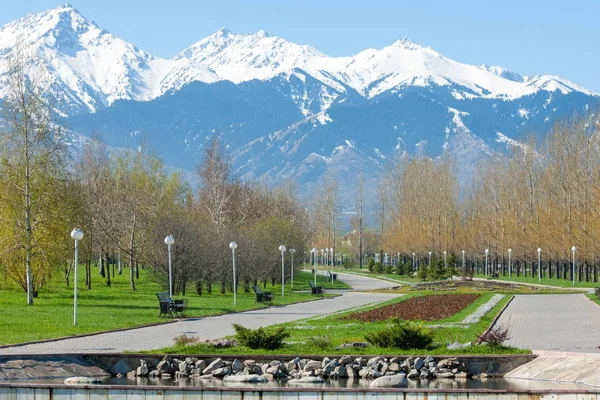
[106, 308]
[545, 281]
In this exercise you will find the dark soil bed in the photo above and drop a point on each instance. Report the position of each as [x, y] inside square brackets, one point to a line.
[422, 308]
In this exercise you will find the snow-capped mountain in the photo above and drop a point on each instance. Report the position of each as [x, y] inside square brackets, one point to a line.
[285, 111]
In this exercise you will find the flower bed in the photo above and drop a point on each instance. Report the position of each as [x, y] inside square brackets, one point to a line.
[422, 308]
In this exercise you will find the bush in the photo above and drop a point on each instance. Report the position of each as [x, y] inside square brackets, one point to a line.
[319, 342]
[389, 269]
[422, 273]
[371, 264]
[495, 336]
[261, 338]
[403, 335]
[185, 340]
[403, 268]
[378, 267]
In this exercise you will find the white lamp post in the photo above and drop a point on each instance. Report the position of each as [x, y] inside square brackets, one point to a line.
[315, 252]
[414, 265]
[169, 240]
[322, 256]
[573, 271]
[77, 235]
[292, 251]
[539, 251]
[233, 246]
[429, 259]
[486, 260]
[463, 264]
[331, 252]
[282, 250]
[509, 266]
[445, 264]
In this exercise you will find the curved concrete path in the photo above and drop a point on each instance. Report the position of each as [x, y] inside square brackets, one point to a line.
[562, 322]
[160, 336]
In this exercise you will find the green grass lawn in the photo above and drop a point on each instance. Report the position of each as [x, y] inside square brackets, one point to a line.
[566, 283]
[390, 277]
[323, 335]
[106, 308]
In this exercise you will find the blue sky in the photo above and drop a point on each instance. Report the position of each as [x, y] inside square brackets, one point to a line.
[527, 36]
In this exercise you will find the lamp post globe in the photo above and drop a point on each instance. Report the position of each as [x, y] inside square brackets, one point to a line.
[77, 235]
[169, 240]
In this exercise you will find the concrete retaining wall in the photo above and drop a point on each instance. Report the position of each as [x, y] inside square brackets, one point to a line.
[61, 392]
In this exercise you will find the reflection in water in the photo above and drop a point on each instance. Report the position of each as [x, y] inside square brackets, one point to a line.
[494, 384]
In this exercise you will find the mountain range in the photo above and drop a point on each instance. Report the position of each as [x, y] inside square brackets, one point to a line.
[285, 111]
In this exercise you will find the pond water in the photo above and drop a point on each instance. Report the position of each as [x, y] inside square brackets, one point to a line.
[511, 385]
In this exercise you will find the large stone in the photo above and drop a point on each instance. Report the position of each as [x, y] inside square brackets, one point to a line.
[274, 370]
[184, 367]
[222, 371]
[419, 363]
[163, 366]
[395, 381]
[191, 360]
[236, 366]
[413, 374]
[82, 380]
[339, 372]
[394, 367]
[200, 364]
[445, 375]
[142, 371]
[312, 365]
[325, 361]
[245, 379]
[359, 345]
[373, 361]
[218, 363]
[447, 363]
[311, 380]
[344, 360]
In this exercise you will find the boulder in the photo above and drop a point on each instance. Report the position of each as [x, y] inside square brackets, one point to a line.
[374, 360]
[395, 381]
[82, 380]
[245, 379]
[200, 364]
[312, 380]
[413, 374]
[445, 375]
[312, 365]
[419, 363]
[350, 372]
[218, 363]
[359, 345]
[344, 360]
[163, 366]
[181, 375]
[325, 361]
[222, 371]
[236, 366]
[184, 367]
[394, 367]
[142, 371]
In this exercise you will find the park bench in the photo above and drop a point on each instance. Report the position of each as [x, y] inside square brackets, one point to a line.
[315, 289]
[262, 297]
[170, 307]
[334, 275]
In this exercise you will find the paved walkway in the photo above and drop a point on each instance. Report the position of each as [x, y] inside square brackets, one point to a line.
[563, 322]
[160, 336]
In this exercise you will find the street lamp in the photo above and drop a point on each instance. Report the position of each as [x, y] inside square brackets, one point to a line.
[331, 252]
[429, 259]
[323, 257]
[292, 251]
[539, 250]
[464, 270]
[414, 265]
[233, 246]
[169, 240]
[486, 260]
[315, 252]
[509, 267]
[445, 265]
[573, 272]
[282, 250]
[77, 235]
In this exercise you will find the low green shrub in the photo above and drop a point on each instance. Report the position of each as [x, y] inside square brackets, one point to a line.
[403, 335]
[371, 264]
[260, 338]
